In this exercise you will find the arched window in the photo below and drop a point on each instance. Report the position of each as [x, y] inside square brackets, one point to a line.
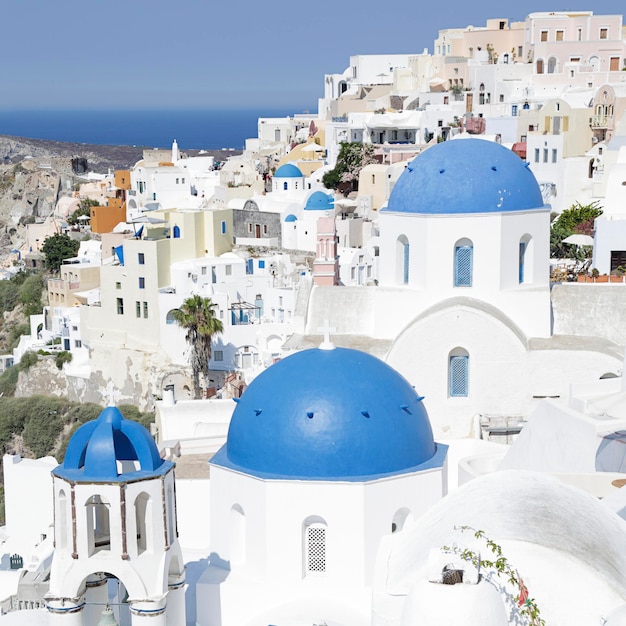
[285, 186]
[551, 65]
[98, 524]
[61, 521]
[315, 531]
[142, 514]
[463, 263]
[237, 534]
[539, 66]
[169, 318]
[402, 260]
[399, 519]
[171, 516]
[458, 373]
[525, 269]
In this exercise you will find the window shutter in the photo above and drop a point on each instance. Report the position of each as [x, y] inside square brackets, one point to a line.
[459, 376]
[463, 266]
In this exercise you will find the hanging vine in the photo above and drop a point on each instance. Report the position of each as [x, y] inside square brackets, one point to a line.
[527, 606]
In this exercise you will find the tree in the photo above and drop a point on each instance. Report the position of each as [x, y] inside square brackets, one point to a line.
[352, 158]
[57, 248]
[197, 316]
[83, 209]
[578, 219]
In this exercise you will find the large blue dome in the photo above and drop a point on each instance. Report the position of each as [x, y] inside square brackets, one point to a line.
[335, 414]
[111, 449]
[465, 176]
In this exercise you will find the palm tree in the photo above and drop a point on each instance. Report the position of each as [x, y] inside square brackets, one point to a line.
[196, 315]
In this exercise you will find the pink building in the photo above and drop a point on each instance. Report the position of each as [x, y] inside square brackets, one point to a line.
[556, 41]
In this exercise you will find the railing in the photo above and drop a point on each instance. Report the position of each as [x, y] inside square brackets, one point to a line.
[600, 121]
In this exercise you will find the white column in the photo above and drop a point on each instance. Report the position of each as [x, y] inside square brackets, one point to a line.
[96, 597]
[148, 612]
[66, 611]
[176, 601]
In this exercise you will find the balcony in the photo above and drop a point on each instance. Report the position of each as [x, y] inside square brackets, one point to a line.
[601, 121]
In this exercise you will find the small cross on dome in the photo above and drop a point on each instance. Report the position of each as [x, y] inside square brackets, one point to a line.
[327, 344]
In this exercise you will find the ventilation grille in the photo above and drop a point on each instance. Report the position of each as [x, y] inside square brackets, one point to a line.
[316, 549]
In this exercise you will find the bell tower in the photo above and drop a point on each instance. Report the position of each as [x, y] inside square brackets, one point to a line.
[115, 517]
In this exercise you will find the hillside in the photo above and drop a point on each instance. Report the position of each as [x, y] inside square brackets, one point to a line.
[35, 173]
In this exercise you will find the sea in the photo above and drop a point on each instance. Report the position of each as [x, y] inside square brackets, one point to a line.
[208, 129]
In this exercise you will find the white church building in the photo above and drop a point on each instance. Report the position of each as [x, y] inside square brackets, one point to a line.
[463, 306]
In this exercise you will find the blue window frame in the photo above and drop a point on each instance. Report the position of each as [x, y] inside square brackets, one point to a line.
[463, 261]
[459, 376]
[262, 264]
[522, 254]
[223, 228]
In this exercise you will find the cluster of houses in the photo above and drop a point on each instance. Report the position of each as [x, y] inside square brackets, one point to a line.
[391, 342]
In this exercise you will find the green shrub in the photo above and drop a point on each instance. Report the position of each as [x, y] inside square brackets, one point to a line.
[8, 382]
[61, 358]
[15, 333]
[30, 294]
[28, 360]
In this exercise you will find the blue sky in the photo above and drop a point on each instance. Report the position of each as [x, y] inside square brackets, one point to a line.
[157, 54]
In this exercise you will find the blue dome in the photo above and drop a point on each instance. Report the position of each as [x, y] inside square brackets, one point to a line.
[291, 218]
[465, 176]
[96, 447]
[334, 414]
[319, 201]
[289, 170]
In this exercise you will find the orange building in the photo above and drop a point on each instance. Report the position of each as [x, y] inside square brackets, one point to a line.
[105, 218]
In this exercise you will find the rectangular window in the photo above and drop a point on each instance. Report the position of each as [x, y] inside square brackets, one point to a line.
[520, 51]
[559, 35]
[142, 282]
[536, 155]
[118, 285]
[177, 181]
[228, 270]
[141, 258]
[614, 64]
[120, 306]
[514, 110]
[203, 270]
[553, 155]
[250, 227]
[262, 264]
[580, 34]
[138, 308]
[501, 96]
[182, 180]
[459, 376]
[78, 343]
[574, 59]
[604, 33]
[545, 155]
[223, 227]
[544, 35]
[145, 310]
[218, 355]
[265, 229]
